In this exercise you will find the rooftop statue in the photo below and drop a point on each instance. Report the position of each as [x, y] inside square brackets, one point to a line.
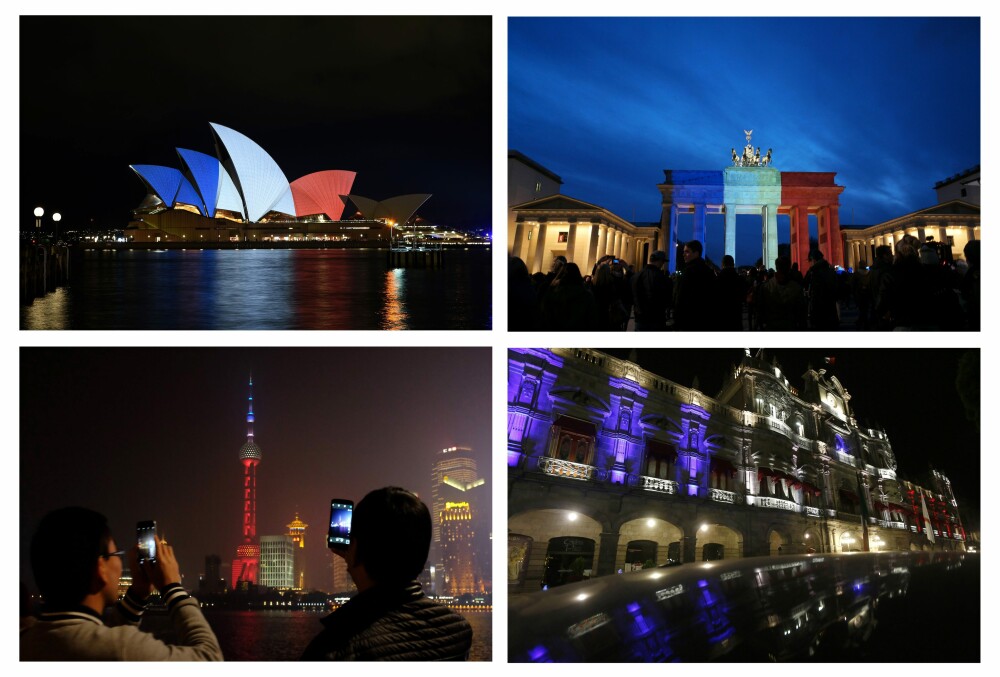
[750, 157]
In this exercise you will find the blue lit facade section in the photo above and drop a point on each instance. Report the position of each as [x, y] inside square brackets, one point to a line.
[204, 170]
[259, 179]
[187, 194]
[163, 182]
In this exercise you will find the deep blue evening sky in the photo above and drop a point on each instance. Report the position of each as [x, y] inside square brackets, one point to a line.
[892, 105]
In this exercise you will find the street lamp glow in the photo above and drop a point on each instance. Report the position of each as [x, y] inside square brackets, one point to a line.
[39, 212]
[57, 217]
[650, 522]
[571, 517]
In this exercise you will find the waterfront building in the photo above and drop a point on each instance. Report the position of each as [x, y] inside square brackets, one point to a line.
[612, 467]
[453, 475]
[242, 194]
[952, 223]
[212, 581]
[455, 479]
[277, 562]
[297, 532]
[341, 579]
[247, 558]
[457, 549]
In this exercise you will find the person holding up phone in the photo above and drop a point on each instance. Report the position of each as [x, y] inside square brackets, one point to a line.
[77, 566]
[385, 541]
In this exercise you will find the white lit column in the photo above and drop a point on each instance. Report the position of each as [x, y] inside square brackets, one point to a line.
[592, 246]
[518, 240]
[536, 266]
[730, 237]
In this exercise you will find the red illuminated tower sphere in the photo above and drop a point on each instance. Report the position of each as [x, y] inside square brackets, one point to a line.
[248, 552]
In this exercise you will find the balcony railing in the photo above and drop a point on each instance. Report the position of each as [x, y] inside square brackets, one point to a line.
[892, 525]
[657, 484]
[568, 469]
[722, 496]
[779, 503]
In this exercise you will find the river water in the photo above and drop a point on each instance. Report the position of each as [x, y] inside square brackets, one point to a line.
[284, 635]
[266, 289]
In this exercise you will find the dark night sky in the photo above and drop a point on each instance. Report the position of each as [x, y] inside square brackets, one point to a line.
[155, 434]
[892, 105]
[910, 393]
[404, 102]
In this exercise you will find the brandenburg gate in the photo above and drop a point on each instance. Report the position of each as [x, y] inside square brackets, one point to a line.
[752, 186]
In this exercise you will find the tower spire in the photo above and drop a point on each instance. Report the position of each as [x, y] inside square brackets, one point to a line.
[248, 553]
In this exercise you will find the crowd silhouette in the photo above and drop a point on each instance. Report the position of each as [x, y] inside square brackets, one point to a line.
[911, 288]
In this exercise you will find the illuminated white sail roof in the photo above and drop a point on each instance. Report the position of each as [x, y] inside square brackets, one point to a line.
[258, 178]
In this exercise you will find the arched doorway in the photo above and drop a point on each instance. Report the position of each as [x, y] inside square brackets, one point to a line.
[543, 526]
[645, 529]
[723, 540]
[568, 559]
[777, 544]
[811, 541]
[851, 541]
[640, 555]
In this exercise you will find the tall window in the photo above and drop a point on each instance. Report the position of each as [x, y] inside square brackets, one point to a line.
[660, 459]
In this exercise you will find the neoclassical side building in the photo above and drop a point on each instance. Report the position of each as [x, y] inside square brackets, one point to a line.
[612, 467]
[954, 221]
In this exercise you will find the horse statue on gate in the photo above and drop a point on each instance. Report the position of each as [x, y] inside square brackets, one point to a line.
[767, 159]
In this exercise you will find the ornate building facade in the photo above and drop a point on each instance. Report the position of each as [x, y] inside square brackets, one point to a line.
[612, 467]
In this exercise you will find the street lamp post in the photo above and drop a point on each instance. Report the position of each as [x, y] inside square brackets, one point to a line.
[39, 213]
[57, 217]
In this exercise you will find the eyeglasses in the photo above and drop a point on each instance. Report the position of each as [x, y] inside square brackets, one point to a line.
[116, 553]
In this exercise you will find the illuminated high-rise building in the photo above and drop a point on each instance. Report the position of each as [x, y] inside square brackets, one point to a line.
[457, 549]
[342, 581]
[452, 476]
[297, 532]
[277, 562]
[248, 552]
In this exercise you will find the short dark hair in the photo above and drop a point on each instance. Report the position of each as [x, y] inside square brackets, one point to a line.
[815, 255]
[560, 257]
[64, 552]
[728, 261]
[392, 529]
[695, 246]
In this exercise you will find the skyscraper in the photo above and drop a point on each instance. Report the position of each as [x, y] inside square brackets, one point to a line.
[297, 532]
[277, 562]
[452, 476]
[248, 552]
[457, 551]
[212, 581]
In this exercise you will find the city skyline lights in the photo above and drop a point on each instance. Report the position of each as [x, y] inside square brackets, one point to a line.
[339, 423]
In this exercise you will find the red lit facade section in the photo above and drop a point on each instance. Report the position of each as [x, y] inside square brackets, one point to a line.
[319, 193]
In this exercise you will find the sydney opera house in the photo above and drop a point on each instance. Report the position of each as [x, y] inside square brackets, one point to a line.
[240, 194]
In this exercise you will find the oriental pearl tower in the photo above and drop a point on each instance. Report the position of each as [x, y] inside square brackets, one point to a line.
[248, 552]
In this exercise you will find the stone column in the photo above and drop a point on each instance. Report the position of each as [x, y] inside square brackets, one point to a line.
[571, 245]
[970, 233]
[800, 238]
[536, 265]
[607, 553]
[602, 240]
[689, 545]
[770, 235]
[833, 235]
[518, 240]
[617, 251]
[730, 236]
[592, 255]
[699, 223]
[672, 241]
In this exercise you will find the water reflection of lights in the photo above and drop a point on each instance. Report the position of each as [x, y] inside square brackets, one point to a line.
[395, 312]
